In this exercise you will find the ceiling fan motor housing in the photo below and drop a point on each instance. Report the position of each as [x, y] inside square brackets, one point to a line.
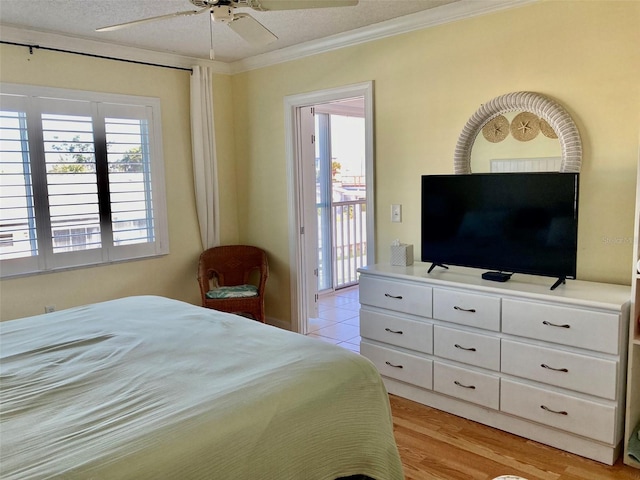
[213, 3]
[222, 13]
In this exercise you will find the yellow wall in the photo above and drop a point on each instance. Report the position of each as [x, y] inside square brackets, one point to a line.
[173, 275]
[427, 84]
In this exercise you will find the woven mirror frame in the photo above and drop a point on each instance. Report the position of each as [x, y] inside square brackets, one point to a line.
[550, 111]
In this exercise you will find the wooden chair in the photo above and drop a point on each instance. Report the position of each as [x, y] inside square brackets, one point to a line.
[227, 272]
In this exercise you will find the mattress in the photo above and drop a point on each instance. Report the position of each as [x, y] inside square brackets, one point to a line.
[148, 387]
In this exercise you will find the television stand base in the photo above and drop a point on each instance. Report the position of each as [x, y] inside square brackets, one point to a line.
[434, 265]
[496, 276]
[559, 282]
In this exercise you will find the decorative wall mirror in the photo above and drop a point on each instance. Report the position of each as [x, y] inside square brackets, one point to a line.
[555, 116]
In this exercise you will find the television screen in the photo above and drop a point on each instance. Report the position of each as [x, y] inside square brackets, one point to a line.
[505, 222]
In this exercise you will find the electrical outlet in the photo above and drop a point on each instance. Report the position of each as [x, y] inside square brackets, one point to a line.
[49, 308]
[396, 213]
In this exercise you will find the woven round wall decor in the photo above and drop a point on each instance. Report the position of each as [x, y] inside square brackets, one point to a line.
[525, 126]
[546, 129]
[497, 129]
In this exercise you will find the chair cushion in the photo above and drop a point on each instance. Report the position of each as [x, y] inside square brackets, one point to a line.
[236, 291]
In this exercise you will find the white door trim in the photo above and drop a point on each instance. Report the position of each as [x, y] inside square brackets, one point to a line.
[297, 251]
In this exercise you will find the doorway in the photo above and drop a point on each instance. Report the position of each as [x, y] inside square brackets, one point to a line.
[341, 192]
[331, 193]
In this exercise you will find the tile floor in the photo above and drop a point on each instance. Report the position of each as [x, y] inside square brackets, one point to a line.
[338, 319]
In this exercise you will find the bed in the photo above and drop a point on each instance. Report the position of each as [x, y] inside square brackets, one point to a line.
[148, 387]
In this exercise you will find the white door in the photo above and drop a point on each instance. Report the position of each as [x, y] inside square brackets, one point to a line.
[309, 231]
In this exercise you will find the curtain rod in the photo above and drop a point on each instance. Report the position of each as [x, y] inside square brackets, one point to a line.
[31, 47]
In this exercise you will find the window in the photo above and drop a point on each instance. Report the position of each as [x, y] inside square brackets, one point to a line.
[81, 179]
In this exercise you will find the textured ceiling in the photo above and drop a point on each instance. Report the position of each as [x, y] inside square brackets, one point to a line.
[191, 35]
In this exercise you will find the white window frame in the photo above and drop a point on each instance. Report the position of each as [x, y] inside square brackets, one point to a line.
[46, 260]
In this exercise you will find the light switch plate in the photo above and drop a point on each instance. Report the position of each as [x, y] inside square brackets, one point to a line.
[396, 213]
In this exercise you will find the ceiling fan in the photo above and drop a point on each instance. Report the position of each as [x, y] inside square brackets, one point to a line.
[247, 27]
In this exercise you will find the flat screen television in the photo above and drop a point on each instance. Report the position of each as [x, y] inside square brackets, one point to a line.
[505, 222]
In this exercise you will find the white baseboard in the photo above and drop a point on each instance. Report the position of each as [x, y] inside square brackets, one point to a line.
[276, 322]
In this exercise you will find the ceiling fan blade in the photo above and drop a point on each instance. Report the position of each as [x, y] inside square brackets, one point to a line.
[110, 28]
[265, 5]
[251, 30]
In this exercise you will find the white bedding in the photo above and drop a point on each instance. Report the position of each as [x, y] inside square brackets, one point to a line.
[147, 387]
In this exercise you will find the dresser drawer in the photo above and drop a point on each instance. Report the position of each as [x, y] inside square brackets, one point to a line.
[582, 373]
[466, 347]
[411, 334]
[576, 327]
[399, 365]
[467, 385]
[576, 415]
[395, 295]
[467, 309]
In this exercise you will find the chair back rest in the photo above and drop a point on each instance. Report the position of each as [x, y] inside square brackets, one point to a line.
[233, 264]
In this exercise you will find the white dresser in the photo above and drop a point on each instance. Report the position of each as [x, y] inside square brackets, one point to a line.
[546, 365]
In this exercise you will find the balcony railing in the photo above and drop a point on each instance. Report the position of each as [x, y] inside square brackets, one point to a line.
[349, 242]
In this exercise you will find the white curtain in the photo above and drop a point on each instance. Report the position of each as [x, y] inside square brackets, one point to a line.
[203, 144]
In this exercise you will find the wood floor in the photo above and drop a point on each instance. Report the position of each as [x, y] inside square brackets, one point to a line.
[437, 445]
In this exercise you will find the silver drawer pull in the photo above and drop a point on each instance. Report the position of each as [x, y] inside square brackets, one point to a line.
[544, 365]
[460, 309]
[556, 325]
[558, 412]
[471, 387]
[394, 366]
[399, 332]
[397, 297]
[468, 349]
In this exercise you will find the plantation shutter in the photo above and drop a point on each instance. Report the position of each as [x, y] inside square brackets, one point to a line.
[82, 181]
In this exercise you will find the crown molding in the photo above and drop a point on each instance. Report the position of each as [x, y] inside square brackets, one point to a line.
[21, 35]
[448, 13]
[451, 12]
